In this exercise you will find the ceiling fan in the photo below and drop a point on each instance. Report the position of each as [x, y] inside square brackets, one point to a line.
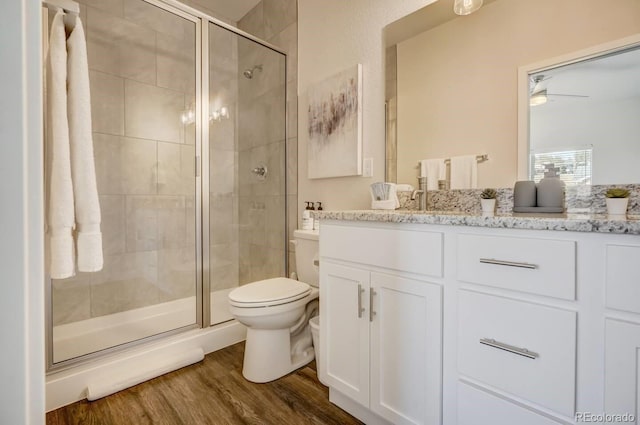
[538, 93]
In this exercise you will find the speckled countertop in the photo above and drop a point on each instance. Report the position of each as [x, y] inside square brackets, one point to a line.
[599, 223]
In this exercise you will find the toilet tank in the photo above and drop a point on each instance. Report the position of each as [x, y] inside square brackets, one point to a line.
[307, 248]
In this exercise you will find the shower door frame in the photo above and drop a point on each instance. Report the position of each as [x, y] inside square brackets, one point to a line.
[202, 195]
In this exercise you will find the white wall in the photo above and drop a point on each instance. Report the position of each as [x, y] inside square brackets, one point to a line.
[332, 36]
[457, 83]
[21, 227]
[614, 136]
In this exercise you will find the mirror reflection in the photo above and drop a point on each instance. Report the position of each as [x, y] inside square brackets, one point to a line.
[583, 117]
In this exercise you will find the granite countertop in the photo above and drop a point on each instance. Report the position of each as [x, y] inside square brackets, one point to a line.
[598, 223]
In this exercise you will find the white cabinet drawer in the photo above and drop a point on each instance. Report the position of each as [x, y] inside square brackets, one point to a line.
[623, 278]
[407, 250]
[537, 266]
[477, 407]
[549, 335]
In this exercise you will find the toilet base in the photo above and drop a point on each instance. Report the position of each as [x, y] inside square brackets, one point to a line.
[267, 355]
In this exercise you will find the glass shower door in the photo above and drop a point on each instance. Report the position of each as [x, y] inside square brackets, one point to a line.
[247, 169]
[144, 73]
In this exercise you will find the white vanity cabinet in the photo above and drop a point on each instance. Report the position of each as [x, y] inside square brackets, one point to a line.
[381, 329]
[461, 325]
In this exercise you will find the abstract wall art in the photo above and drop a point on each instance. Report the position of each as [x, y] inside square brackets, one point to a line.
[335, 125]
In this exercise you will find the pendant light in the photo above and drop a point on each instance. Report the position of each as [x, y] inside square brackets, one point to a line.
[466, 7]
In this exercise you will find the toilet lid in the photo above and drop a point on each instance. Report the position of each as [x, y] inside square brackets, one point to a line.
[278, 290]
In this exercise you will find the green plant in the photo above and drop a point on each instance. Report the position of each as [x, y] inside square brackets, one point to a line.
[617, 192]
[488, 194]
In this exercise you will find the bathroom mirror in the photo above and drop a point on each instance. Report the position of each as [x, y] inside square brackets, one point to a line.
[459, 88]
[580, 112]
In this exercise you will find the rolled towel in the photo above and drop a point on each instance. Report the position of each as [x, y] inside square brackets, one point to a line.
[87, 205]
[60, 208]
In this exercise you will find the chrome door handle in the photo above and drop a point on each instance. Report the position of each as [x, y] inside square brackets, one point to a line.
[508, 263]
[510, 348]
[360, 309]
[372, 293]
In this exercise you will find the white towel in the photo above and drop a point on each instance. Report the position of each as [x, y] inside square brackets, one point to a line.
[433, 170]
[87, 205]
[464, 172]
[60, 209]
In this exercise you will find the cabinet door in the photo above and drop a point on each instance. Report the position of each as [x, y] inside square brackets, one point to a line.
[622, 375]
[344, 329]
[406, 347]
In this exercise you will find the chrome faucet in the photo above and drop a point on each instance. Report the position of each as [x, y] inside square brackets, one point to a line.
[421, 193]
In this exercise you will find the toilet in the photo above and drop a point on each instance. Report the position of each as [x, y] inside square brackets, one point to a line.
[276, 312]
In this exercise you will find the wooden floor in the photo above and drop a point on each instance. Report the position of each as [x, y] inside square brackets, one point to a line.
[211, 392]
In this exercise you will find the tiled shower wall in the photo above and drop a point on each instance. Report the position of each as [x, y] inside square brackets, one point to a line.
[274, 21]
[141, 70]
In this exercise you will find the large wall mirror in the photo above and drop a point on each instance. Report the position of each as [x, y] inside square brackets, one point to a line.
[458, 89]
[582, 114]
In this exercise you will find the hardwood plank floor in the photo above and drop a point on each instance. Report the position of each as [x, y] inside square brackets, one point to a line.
[211, 392]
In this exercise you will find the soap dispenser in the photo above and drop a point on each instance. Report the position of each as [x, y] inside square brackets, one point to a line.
[550, 190]
[307, 217]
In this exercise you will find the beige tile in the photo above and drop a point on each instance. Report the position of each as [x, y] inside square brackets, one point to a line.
[176, 169]
[222, 134]
[141, 223]
[177, 273]
[119, 47]
[107, 103]
[224, 266]
[274, 183]
[275, 222]
[278, 14]
[112, 209]
[114, 7]
[222, 171]
[189, 129]
[292, 166]
[176, 63]
[156, 19]
[125, 165]
[221, 219]
[126, 282]
[223, 45]
[292, 217]
[275, 103]
[171, 213]
[256, 230]
[244, 271]
[245, 177]
[292, 118]
[107, 157]
[138, 159]
[70, 299]
[287, 40]
[253, 22]
[190, 221]
[153, 112]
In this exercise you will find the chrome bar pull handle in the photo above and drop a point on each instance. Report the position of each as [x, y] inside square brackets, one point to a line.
[360, 309]
[372, 293]
[510, 348]
[508, 263]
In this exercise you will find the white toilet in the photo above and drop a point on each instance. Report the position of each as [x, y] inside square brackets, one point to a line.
[275, 311]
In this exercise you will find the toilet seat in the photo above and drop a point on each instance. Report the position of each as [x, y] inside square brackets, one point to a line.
[269, 292]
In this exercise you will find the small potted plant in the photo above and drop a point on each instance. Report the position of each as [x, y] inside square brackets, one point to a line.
[617, 201]
[488, 200]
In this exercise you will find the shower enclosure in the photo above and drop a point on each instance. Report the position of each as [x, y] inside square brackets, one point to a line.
[189, 140]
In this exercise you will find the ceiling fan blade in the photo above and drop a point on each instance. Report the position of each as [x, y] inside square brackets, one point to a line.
[566, 95]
